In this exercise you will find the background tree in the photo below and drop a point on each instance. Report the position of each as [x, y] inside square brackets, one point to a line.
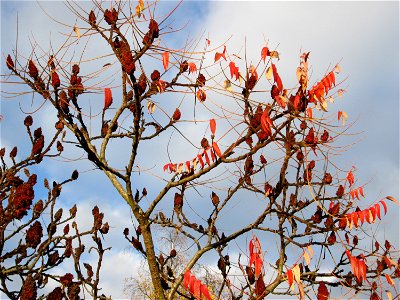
[264, 139]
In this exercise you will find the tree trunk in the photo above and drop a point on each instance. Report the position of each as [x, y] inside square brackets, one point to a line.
[152, 261]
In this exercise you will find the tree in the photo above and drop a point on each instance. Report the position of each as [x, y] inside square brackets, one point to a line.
[35, 237]
[265, 141]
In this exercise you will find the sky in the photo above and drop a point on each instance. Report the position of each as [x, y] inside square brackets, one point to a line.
[362, 36]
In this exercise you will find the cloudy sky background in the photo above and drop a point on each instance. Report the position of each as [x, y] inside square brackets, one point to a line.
[363, 36]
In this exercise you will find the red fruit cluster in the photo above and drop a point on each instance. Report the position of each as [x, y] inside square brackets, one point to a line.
[33, 71]
[38, 143]
[142, 84]
[66, 280]
[110, 17]
[9, 62]
[177, 115]
[128, 64]
[152, 34]
[76, 87]
[29, 289]
[34, 235]
[20, 198]
[92, 18]
[97, 218]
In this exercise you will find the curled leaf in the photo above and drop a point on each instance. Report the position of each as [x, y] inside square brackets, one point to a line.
[201, 95]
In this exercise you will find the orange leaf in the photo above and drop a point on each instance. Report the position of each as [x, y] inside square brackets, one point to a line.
[192, 67]
[213, 126]
[393, 199]
[219, 55]
[165, 60]
[264, 53]
[107, 98]
[281, 101]
[201, 95]
[216, 149]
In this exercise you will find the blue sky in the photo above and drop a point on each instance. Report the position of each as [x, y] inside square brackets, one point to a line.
[363, 36]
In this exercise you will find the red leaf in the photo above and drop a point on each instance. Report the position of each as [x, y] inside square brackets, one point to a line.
[360, 189]
[192, 67]
[350, 178]
[165, 60]
[197, 291]
[378, 210]
[201, 160]
[212, 155]
[205, 292]
[234, 70]
[264, 53]
[107, 98]
[323, 293]
[216, 149]
[213, 126]
[266, 122]
[166, 167]
[331, 77]
[354, 266]
[188, 166]
[373, 213]
[354, 217]
[206, 157]
[258, 266]
[309, 112]
[363, 269]
[327, 86]
[277, 78]
[186, 279]
[362, 216]
[289, 275]
[384, 205]
[348, 254]
[192, 283]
